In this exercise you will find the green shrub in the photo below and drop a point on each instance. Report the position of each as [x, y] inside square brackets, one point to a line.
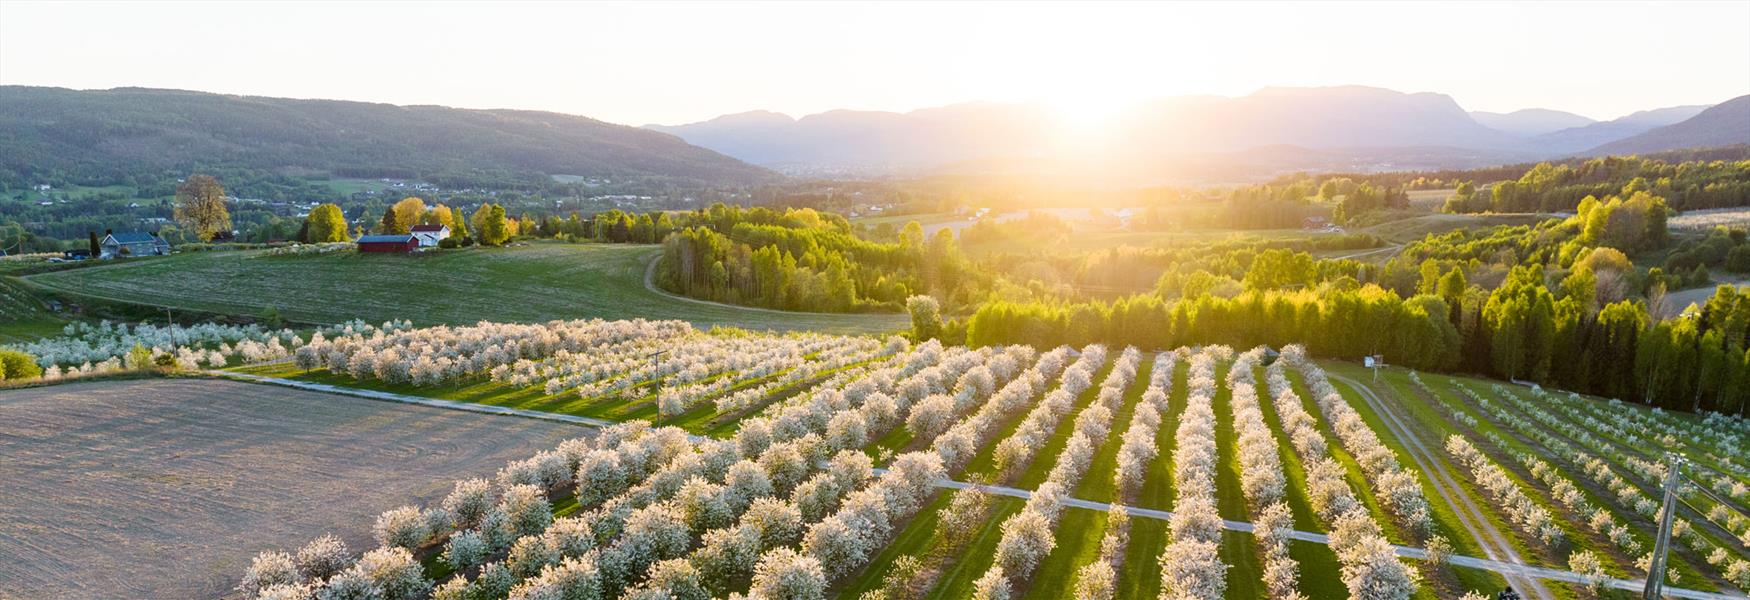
[1738, 260]
[18, 365]
[449, 243]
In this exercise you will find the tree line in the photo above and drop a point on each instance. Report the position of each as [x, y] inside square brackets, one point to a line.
[1557, 304]
[800, 259]
[1548, 187]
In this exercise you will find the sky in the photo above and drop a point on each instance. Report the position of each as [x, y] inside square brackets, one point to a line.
[682, 62]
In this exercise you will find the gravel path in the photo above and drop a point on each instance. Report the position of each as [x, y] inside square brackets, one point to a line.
[1495, 545]
[165, 488]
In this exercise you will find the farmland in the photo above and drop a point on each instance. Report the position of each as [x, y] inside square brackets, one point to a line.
[1290, 450]
[525, 283]
[168, 486]
[1703, 220]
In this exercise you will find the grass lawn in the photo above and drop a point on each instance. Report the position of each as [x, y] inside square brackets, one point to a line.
[917, 537]
[530, 283]
[27, 330]
[1414, 228]
[23, 317]
[1616, 562]
[1105, 239]
[1682, 560]
[348, 186]
[1079, 531]
[1357, 479]
[1446, 520]
[956, 581]
[1312, 558]
[1245, 574]
[1141, 576]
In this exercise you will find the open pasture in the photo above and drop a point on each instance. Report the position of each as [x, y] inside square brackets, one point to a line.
[530, 283]
[164, 488]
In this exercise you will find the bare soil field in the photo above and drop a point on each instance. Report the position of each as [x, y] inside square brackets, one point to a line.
[166, 488]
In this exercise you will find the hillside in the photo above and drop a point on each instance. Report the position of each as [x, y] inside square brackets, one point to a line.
[1725, 124]
[526, 284]
[126, 131]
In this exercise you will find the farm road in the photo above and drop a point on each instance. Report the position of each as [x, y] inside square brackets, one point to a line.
[1494, 544]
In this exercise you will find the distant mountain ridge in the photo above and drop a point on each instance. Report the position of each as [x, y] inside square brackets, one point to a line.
[1530, 121]
[128, 130]
[873, 138]
[1348, 127]
[1579, 139]
[1723, 124]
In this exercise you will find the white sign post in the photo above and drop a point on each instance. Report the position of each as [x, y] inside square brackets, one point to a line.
[1374, 362]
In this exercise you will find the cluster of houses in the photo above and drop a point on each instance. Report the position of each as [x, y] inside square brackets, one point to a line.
[127, 244]
[120, 245]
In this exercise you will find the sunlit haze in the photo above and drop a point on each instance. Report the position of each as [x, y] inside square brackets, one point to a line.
[676, 63]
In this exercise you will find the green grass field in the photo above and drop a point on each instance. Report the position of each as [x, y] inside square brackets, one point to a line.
[1414, 228]
[1107, 239]
[532, 283]
[23, 316]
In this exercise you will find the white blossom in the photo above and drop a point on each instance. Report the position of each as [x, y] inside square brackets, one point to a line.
[784, 574]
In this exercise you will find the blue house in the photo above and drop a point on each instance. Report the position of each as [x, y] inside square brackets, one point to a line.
[133, 244]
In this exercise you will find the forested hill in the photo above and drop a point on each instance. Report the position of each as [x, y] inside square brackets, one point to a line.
[124, 132]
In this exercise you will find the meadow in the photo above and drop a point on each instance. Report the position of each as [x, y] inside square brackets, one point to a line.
[527, 283]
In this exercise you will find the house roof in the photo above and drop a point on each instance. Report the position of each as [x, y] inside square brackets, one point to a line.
[425, 228]
[135, 237]
[386, 239]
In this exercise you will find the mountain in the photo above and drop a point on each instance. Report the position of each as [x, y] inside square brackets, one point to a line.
[1724, 124]
[1321, 118]
[1530, 121]
[1317, 119]
[1576, 139]
[126, 131]
[871, 139]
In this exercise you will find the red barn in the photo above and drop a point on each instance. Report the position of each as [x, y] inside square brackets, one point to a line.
[388, 243]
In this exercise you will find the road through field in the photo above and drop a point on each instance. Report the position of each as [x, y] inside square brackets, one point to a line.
[165, 488]
[1494, 544]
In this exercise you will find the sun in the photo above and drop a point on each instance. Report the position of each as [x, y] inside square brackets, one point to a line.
[1086, 112]
[1086, 122]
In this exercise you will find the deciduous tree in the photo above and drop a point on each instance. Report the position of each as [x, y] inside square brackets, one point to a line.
[200, 207]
